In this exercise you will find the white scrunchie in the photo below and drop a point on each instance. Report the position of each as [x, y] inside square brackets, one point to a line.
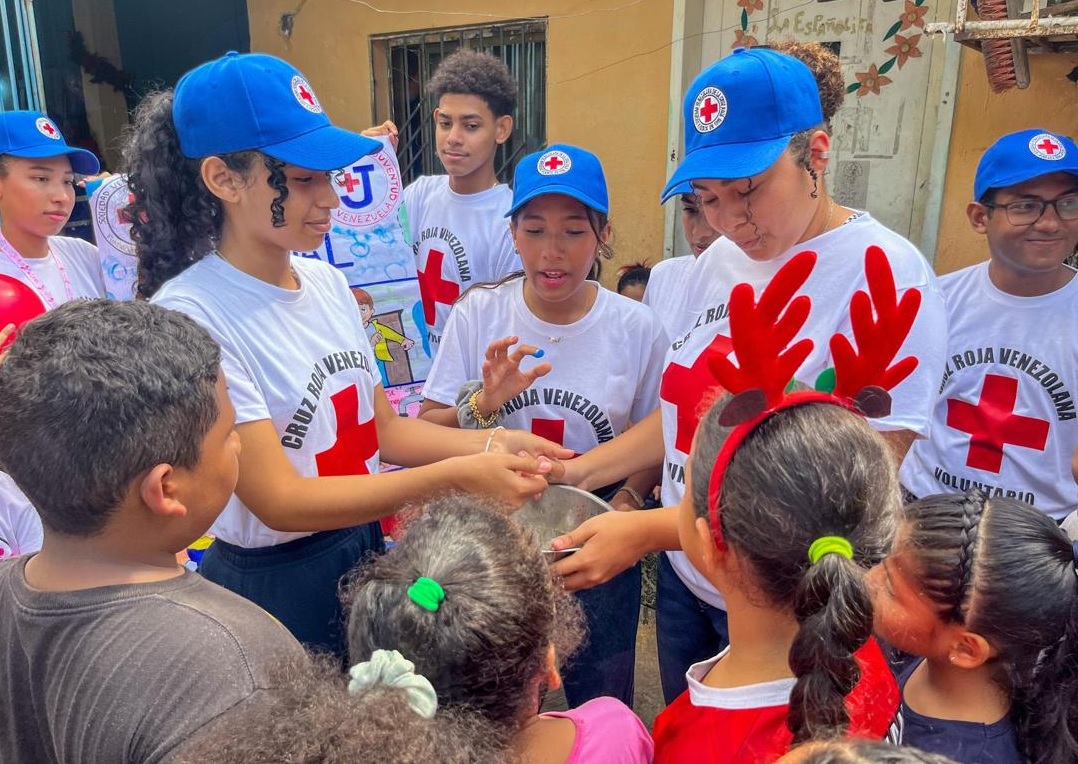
[390, 668]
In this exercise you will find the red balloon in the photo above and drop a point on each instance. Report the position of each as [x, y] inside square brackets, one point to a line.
[18, 304]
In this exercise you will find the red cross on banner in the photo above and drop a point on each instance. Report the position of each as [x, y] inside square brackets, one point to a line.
[433, 288]
[551, 429]
[992, 423]
[685, 387]
[348, 182]
[1048, 146]
[356, 442]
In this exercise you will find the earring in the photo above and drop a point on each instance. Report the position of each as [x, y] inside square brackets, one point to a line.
[825, 155]
[952, 658]
[815, 193]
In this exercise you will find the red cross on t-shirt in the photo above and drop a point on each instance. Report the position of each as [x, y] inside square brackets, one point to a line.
[551, 429]
[708, 109]
[685, 387]
[356, 442]
[992, 423]
[553, 163]
[433, 288]
[1048, 146]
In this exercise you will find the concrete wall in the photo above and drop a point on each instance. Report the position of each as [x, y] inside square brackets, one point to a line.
[1051, 102]
[608, 76]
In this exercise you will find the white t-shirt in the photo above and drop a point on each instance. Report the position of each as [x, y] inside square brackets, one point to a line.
[299, 358]
[458, 240]
[839, 272]
[605, 373]
[667, 289]
[80, 260]
[20, 525]
[18, 518]
[1005, 418]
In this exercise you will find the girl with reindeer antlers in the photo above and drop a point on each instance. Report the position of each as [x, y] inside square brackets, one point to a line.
[790, 496]
[757, 149]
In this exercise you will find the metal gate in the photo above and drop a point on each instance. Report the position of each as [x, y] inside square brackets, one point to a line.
[403, 64]
[20, 69]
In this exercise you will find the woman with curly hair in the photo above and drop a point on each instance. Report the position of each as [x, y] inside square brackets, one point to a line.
[230, 173]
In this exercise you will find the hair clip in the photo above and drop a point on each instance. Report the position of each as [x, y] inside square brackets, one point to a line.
[761, 332]
[427, 593]
[391, 669]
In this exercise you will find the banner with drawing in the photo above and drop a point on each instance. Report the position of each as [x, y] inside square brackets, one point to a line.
[369, 244]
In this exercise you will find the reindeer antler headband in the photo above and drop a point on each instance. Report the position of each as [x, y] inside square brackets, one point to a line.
[761, 332]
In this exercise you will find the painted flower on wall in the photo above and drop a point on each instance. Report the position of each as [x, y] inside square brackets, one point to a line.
[744, 40]
[905, 48]
[751, 6]
[871, 82]
[913, 15]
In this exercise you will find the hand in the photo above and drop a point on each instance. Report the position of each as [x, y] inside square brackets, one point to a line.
[512, 478]
[5, 335]
[386, 128]
[610, 544]
[502, 378]
[376, 337]
[505, 441]
[407, 344]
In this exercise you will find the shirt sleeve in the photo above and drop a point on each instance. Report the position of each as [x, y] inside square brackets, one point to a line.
[455, 362]
[647, 391]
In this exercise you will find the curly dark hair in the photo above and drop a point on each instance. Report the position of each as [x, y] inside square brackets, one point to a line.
[1006, 571]
[469, 72]
[175, 220]
[310, 718]
[808, 471]
[487, 642]
[860, 752]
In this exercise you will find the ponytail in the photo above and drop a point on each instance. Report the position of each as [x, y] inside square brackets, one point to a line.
[834, 612]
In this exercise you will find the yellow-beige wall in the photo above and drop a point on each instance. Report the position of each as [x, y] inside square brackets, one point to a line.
[608, 73]
[1050, 101]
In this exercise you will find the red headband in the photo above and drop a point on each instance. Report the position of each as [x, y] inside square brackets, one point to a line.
[760, 332]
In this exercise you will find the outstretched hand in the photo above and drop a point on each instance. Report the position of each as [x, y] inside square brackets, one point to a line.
[503, 379]
[608, 544]
[386, 128]
[512, 478]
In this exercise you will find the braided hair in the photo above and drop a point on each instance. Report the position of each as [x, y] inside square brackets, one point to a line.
[1005, 571]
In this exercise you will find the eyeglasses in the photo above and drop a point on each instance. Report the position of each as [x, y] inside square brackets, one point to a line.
[1029, 211]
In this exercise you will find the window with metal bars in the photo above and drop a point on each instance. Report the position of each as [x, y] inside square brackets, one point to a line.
[402, 65]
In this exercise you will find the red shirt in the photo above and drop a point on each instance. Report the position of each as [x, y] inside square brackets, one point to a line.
[747, 725]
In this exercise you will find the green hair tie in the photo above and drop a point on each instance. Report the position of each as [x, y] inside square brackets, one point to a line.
[828, 544]
[427, 593]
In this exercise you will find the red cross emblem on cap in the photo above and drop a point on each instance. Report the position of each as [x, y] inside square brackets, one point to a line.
[709, 109]
[1047, 146]
[304, 95]
[48, 129]
[554, 163]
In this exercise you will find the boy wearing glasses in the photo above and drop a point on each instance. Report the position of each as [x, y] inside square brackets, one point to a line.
[1005, 420]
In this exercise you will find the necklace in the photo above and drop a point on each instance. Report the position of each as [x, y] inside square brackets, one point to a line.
[291, 268]
[830, 212]
[35, 281]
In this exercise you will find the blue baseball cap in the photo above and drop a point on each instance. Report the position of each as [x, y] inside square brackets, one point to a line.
[740, 114]
[560, 169]
[253, 101]
[1022, 156]
[32, 135]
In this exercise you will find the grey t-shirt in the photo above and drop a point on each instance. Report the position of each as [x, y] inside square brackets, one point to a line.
[126, 674]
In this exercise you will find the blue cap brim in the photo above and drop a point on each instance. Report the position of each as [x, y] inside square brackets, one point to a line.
[728, 161]
[325, 148]
[679, 190]
[569, 191]
[82, 161]
[1019, 177]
